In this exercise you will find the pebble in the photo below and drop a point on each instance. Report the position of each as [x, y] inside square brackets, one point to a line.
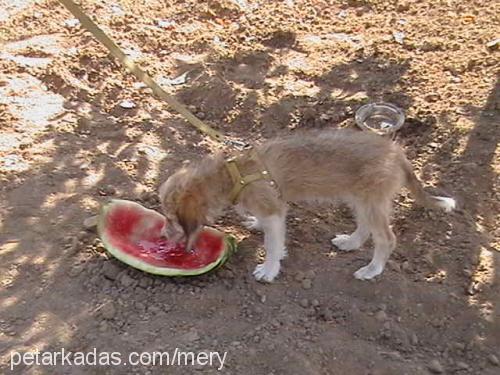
[310, 274]
[462, 365]
[381, 316]
[493, 360]
[304, 302]
[414, 339]
[315, 302]
[299, 276]
[71, 23]
[326, 314]
[140, 306]
[394, 266]
[435, 367]
[103, 327]
[307, 284]
[127, 104]
[108, 311]
[126, 280]
[107, 190]
[405, 266]
[191, 336]
[90, 222]
[110, 270]
[432, 97]
[395, 356]
[144, 282]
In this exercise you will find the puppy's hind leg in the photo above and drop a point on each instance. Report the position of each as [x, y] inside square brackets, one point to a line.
[274, 227]
[383, 239]
[354, 241]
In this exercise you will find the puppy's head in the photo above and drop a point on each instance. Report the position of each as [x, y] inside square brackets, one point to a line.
[184, 205]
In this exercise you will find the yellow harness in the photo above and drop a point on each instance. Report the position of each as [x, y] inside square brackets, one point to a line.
[240, 182]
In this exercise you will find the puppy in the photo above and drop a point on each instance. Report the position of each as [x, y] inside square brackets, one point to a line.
[362, 169]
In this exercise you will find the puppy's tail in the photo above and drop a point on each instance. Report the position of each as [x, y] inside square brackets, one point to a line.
[421, 196]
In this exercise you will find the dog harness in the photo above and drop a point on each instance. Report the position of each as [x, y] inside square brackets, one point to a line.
[240, 182]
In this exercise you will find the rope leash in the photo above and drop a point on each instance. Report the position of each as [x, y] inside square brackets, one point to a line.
[133, 68]
[239, 181]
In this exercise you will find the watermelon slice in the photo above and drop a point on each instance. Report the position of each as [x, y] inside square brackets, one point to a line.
[133, 234]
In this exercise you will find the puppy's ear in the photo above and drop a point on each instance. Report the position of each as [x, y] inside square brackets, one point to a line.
[191, 212]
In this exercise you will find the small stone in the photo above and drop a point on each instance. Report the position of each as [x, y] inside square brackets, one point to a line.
[107, 190]
[472, 289]
[315, 303]
[462, 365]
[126, 280]
[399, 36]
[304, 302]
[127, 104]
[381, 316]
[493, 360]
[309, 114]
[103, 327]
[140, 306]
[326, 313]
[108, 311]
[191, 336]
[110, 270]
[432, 97]
[71, 23]
[306, 284]
[310, 274]
[493, 44]
[299, 276]
[414, 339]
[395, 356]
[235, 344]
[144, 282]
[90, 222]
[394, 265]
[435, 367]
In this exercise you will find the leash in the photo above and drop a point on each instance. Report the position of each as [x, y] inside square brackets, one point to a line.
[133, 68]
[239, 181]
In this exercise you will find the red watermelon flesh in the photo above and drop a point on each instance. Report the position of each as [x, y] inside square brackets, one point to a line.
[133, 234]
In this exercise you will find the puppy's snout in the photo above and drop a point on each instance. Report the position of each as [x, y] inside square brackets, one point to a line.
[174, 232]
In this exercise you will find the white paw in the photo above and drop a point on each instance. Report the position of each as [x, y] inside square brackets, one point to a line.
[368, 272]
[267, 271]
[344, 242]
[251, 222]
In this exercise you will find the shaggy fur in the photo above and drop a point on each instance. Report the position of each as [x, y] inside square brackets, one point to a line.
[359, 168]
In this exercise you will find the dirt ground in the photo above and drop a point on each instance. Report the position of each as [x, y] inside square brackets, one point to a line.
[76, 130]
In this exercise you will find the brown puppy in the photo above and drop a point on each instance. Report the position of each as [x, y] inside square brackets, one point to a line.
[359, 168]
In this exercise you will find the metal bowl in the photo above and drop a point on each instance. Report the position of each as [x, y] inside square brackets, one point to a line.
[382, 118]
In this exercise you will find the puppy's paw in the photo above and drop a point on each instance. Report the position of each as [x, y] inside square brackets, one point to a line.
[252, 223]
[267, 271]
[345, 242]
[368, 272]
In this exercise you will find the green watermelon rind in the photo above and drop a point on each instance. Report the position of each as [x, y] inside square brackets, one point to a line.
[228, 240]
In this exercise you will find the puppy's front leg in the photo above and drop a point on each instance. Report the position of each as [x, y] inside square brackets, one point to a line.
[274, 228]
